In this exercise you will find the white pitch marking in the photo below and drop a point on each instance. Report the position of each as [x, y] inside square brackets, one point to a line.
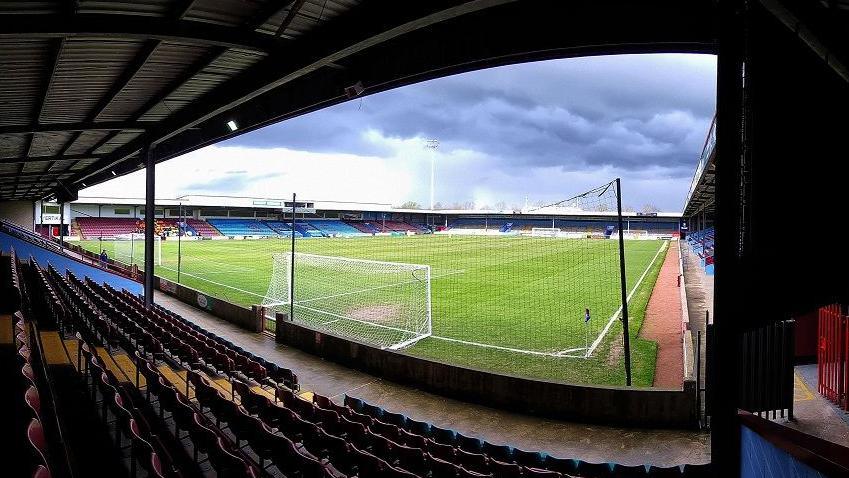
[597, 341]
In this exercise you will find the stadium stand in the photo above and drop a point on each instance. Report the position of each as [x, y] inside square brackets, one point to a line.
[308, 230]
[701, 243]
[183, 399]
[373, 227]
[241, 227]
[202, 228]
[177, 395]
[282, 228]
[335, 227]
[94, 227]
[363, 226]
[397, 226]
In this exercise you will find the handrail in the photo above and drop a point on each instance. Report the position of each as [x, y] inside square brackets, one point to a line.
[68, 252]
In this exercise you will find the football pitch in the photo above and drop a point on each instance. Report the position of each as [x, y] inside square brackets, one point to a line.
[514, 305]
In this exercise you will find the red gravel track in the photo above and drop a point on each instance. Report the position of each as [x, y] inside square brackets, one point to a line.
[663, 323]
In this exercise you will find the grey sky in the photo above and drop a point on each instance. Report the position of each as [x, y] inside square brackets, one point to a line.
[545, 130]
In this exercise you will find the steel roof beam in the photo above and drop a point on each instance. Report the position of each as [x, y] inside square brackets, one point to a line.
[47, 159]
[368, 27]
[198, 66]
[102, 25]
[293, 12]
[73, 127]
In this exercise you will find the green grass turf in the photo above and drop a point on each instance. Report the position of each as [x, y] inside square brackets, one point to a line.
[515, 292]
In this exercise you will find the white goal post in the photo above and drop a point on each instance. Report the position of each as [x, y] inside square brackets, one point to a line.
[387, 304]
[129, 249]
[545, 231]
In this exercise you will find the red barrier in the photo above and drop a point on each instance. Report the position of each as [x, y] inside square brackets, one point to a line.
[833, 355]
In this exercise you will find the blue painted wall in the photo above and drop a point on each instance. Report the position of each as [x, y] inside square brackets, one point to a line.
[24, 250]
[760, 458]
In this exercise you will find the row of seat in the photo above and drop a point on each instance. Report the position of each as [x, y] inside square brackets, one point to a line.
[503, 460]
[173, 401]
[254, 366]
[278, 450]
[357, 439]
[154, 448]
[185, 341]
[28, 386]
[38, 460]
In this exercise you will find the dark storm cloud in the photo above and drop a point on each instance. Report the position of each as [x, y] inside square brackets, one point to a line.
[633, 113]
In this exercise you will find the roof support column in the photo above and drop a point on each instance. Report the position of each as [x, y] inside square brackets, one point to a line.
[149, 211]
[731, 247]
[61, 225]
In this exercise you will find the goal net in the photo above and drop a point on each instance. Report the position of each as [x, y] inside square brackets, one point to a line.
[545, 231]
[387, 304]
[129, 249]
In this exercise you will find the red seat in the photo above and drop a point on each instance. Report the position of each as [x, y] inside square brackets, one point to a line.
[33, 401]
[41, 472]
[35, 434]
[226, 463]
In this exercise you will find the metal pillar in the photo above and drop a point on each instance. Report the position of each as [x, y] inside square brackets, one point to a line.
[61, 225]
[181, 228]
[622, 282]
[292, 266]
[730, 249]
[149, 211]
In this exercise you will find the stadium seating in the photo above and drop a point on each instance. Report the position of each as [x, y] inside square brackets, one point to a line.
[282, 228]
[373, 227]
[241, 227]
[449, 453]
[308, 230]
[202, 228]
[702, 244]
[565, 225]
[335, 227]
[363, 227]
[398, 226]
[176, 395]
[96, 227]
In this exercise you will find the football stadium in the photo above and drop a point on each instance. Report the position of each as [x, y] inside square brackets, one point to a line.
[216, 259]
[400, 280]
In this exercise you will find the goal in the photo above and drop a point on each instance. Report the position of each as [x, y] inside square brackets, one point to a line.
[387, 304]
[129, 249]
[545, 231]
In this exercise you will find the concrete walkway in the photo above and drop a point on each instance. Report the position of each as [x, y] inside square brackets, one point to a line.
[814, 414]
[663, 323]
[573, 440]
[699, 300]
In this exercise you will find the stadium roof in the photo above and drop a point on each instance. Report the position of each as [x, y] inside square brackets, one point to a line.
[700, 197]
[353, 206]
[87, 85]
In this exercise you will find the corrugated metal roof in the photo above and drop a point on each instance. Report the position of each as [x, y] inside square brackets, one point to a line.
[86, 86]
[128, 82]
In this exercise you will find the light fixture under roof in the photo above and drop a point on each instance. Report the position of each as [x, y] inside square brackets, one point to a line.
[84, 185]
[113, 173]
[232, 125]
